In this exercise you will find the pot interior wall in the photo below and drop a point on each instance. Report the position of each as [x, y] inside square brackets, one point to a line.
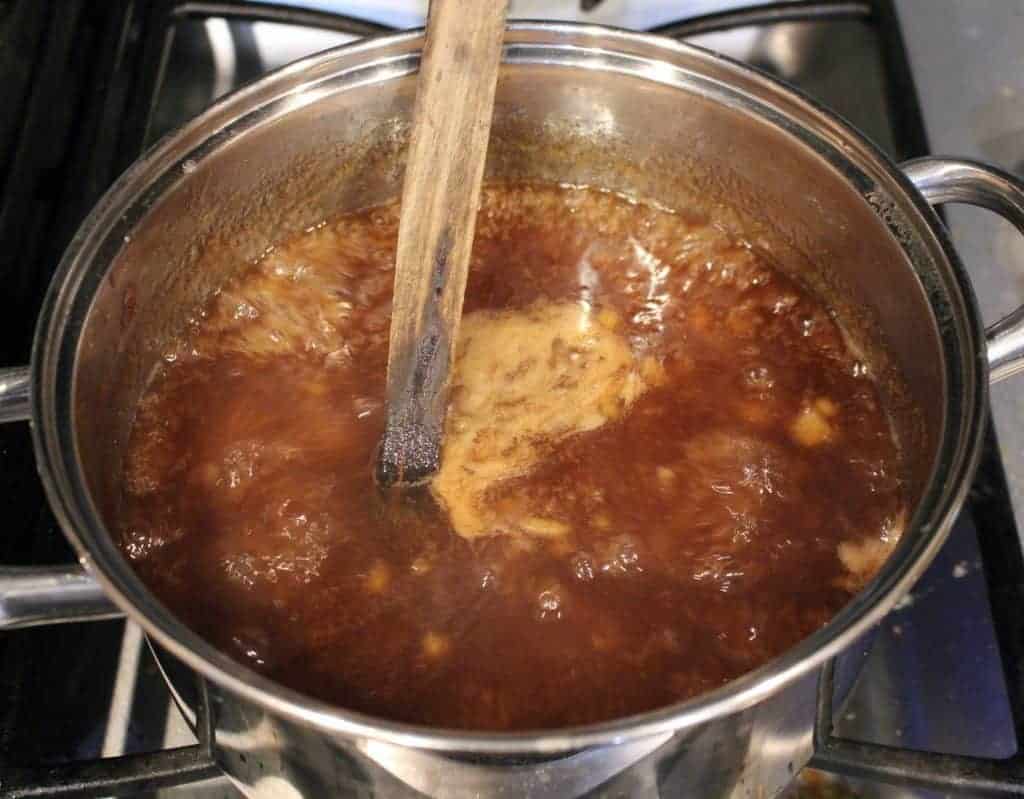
[339, 145]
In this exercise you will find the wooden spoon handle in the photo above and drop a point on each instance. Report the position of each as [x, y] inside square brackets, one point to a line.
[440, 196]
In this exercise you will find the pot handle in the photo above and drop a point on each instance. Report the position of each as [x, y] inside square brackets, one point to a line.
[37, 595]
[960, 180]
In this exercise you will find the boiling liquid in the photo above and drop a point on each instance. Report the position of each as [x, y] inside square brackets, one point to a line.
[724, 513]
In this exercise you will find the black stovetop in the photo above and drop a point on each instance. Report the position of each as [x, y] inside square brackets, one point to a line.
[87, 85]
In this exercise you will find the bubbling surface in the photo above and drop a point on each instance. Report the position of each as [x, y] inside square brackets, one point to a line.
[724, 505]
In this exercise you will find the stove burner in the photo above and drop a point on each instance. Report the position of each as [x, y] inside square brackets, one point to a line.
[87, 87]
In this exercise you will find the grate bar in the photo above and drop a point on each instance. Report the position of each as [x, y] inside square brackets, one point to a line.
[275, 12]
[770, 14]
[1003, 562]
[112, 776]
[952, 774]
[125, 775]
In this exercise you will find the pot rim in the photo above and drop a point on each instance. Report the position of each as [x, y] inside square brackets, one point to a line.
[55, 350]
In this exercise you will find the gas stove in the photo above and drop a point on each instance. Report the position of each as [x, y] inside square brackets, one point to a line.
[88, 86]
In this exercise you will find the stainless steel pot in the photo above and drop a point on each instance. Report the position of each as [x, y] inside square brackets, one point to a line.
[577, 104]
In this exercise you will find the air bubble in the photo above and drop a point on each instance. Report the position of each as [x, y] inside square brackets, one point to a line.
[759, 378]
[583, 567]
[621, 558]
[549, 605]
[244, 310]
[784, 304]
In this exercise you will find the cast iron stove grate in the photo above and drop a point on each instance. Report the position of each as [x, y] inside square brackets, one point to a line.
[82, 82]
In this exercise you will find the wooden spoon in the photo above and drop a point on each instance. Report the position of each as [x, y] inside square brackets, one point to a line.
[451, 125]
